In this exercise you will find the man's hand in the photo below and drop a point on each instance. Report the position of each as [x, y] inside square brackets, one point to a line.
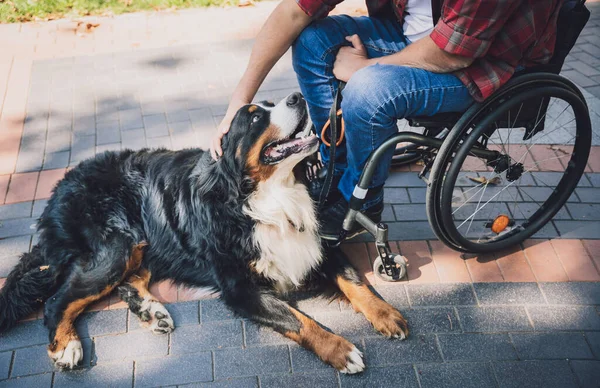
[350, 59]
[215, 146]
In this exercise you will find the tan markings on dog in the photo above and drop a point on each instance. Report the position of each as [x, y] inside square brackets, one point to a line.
[238, 152]
[252, 109]
[256, 170]
[331, 348]
[140, 281]
[384, 318]
[135, 259]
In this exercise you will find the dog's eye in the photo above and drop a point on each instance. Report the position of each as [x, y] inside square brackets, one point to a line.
[255, 118]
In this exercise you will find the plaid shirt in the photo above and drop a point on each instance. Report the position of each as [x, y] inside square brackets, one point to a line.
[498, 34]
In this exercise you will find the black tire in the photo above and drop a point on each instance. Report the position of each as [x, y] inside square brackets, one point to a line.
[470, 129]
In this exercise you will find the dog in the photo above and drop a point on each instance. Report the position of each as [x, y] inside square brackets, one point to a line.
[244, 226]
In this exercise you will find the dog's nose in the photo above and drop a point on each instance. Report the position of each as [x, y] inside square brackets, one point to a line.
[294, 99]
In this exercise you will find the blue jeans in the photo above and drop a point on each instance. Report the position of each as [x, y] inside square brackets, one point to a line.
[374, 98]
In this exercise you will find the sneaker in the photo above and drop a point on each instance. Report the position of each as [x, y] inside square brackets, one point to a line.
[316, 186]
[332, 218]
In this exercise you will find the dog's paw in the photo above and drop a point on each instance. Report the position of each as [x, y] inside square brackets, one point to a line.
[69, 357]
[387, 320]
[341, 354]
[354, 362]
[154, 316]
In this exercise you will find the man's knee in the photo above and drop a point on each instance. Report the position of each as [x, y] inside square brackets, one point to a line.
[318, 40]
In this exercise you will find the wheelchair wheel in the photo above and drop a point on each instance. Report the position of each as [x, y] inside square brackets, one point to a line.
[478, 205]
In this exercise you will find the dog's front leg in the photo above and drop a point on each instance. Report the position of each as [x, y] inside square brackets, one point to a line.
[266, 309]
[384, 318]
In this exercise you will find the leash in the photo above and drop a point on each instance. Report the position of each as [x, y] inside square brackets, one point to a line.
[333, 124]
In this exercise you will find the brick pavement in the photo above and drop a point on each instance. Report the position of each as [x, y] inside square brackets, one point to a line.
[158, 79]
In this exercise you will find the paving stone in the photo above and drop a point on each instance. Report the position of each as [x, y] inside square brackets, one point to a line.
[411, 212]
[432, 320]
[14, 246]
[417, 195]
[464, 375]
[493, 319]
[310, 303]
[305, 360]
[588, 194]
[173, 370]
[215, 310]
[536, 346]
[159, 142]
[584, 211]
[15, 210]
[99, 323]
[508, 293]
[399, 376]
[404, 179]
[476, 347]
[184, 313]
[38, 207]
[409, 231]
[134, 345]
[348, 323]
[58, 141]
[244, 382]
[593, 339]
[388, 214]
[416, 348]
[572, 293]
[83, 148]
[395, 195]
[320, 379]
[107, 133]
[34, 360]
[564, 318]
[213, 335]
[587, 372]
[5, 359]
[251, 361]
[104, 375]
[156, 125]
[594, 178]
[177, 116]
[56, 160]
[257, 335]
[24, 334]
[43, 380]
[130, 119]
[7, 264]
[578, 229]
[440, 294]
[547, 374]
[393, 294]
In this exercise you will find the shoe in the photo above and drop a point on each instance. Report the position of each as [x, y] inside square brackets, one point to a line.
[316, 186]
[332, 218]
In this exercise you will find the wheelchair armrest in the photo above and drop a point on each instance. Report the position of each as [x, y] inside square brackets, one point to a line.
[440, 120]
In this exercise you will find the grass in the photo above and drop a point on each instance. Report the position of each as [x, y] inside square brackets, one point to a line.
[13, 11]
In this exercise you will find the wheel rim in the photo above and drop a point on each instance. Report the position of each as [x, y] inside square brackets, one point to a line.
[470, 209]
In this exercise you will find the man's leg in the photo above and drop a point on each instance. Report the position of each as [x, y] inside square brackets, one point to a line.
[314, 54]
[374, 99]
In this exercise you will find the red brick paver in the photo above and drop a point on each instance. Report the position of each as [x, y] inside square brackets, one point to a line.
[47, 181]
[544, 261]
[576, 261]
[514, 266]
[450, 265]
[22, 187]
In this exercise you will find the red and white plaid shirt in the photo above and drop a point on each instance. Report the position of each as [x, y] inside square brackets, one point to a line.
[499, 34]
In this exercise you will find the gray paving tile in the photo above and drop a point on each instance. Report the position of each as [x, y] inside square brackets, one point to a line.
[594, 178]
[134, 345]
[404, 179]
[14, 246]
[257, 335]
[43, 380]
[508, 293]
[177, 116]
[17, 227]
[347, 323]
[399, 376]
[24, 334]
[564, 317]
[464, 375]
[587, 372]
[304, 360]
[251, 361]
[580, 79]
[130, 119]
[440, 294]
[416, 348]
[107, 133]
[407, 231]
[432, 320]
[395, 195]
[34, 360]
[584, 211]
[173, 370]
[58, 141]
[593, 339]
[576, 293]
[15, 210]
[156, 125]
[547, 374]
[213, 335]
[412, 212]
[417, 195]
[7, 264]
[214, 310]
[244, 382]
[310, 303]
[320, 379]
[540, 194]
[159, 142]
[493, 319]
[5, 360]
[394, 295]
[84, 126]
[476, 347]
[578, 229]
[99, 323]
[536, 346]
[56, 160]
[590, 195]
[104, 375]
[83, 148]
[184, 313]
[38, 207]
[388, 214]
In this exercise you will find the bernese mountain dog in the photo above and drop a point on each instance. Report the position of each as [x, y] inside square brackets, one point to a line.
[244, 226]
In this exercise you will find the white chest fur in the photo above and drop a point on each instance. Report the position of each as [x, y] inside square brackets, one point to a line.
[286, 231]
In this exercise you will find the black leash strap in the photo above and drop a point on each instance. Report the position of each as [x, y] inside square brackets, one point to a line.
[333, 137]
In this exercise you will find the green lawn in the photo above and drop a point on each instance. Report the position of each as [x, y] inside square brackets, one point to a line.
[12, 11]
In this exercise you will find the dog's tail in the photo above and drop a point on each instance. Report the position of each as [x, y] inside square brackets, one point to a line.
[28, 285]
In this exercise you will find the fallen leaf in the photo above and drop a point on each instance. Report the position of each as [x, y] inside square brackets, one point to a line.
[483, 180]
[44, 267]
[245, 3]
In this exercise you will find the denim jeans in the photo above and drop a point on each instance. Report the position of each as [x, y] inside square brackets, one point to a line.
[374, 98]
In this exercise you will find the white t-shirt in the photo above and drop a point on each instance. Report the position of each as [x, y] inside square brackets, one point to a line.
[418, 21]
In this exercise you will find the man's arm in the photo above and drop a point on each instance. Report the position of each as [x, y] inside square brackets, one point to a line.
[276, 36]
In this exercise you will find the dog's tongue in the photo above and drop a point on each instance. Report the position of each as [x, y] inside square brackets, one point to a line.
[288, 147]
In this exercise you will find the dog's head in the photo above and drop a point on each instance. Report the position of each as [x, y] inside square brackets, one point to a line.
[270, 139]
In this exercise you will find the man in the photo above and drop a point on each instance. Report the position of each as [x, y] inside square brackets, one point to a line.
[400, 61]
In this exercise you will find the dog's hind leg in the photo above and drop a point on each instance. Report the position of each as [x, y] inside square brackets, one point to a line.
[89, 280]
[384, 318]
[141, 302]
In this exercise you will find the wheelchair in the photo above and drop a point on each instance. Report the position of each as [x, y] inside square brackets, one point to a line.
[477, 164]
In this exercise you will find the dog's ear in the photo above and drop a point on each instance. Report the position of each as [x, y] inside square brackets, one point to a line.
[222, 178]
